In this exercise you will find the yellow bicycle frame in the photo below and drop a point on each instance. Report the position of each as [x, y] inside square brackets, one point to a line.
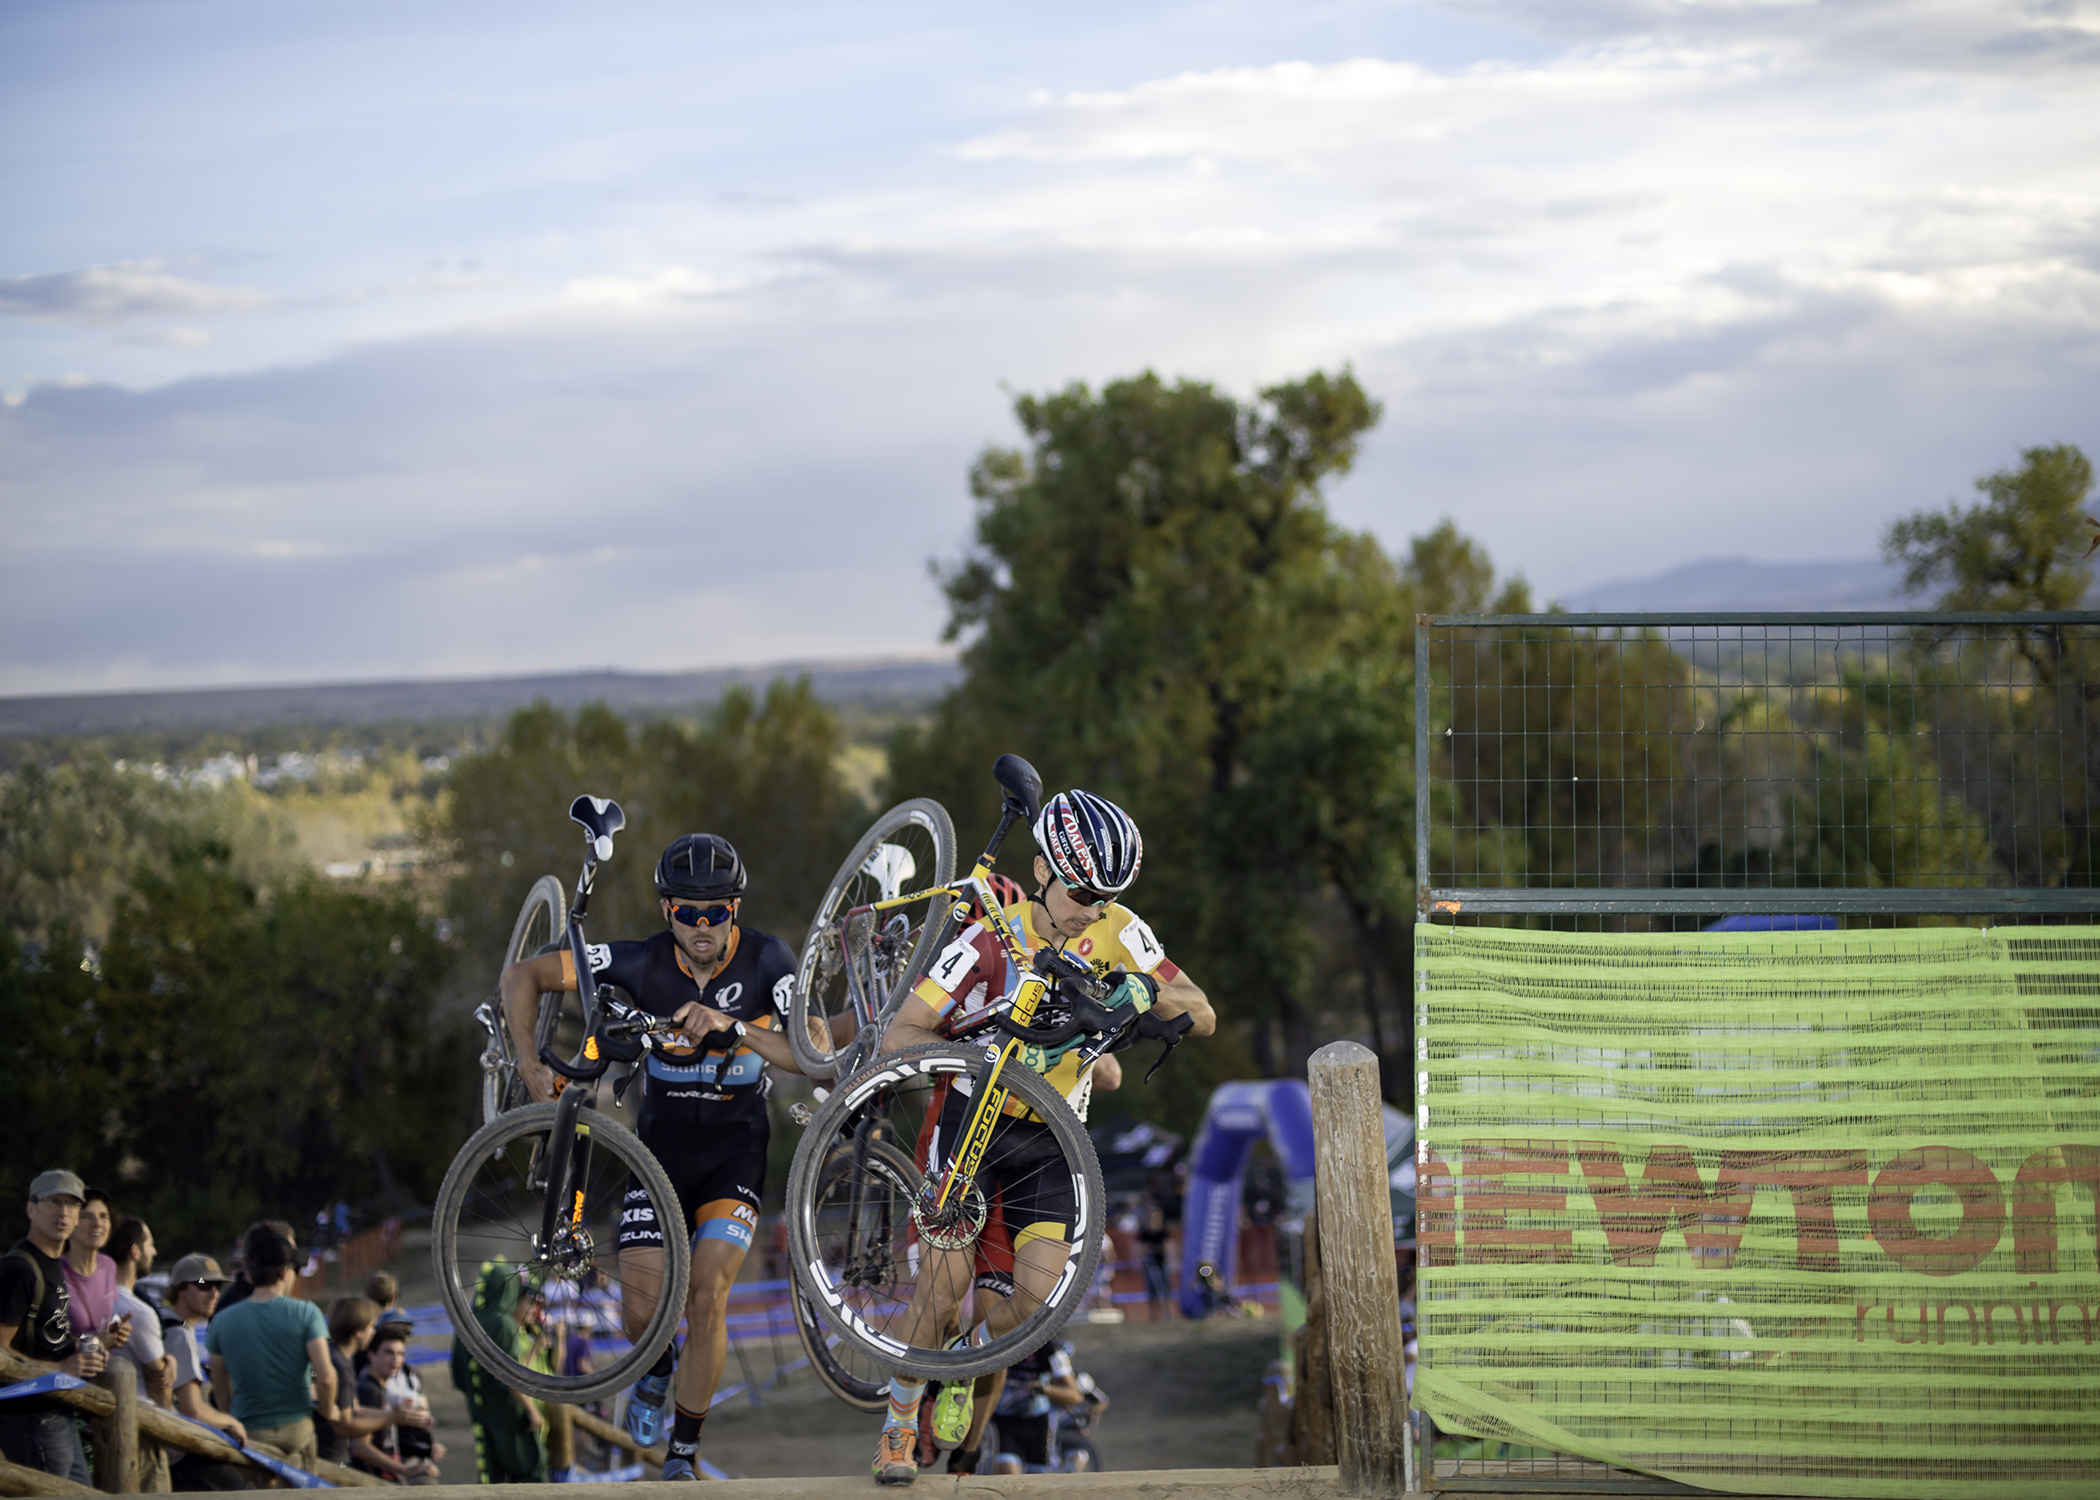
[991, 1099]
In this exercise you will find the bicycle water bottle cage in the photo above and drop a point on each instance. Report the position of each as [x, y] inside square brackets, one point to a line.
[601, 819]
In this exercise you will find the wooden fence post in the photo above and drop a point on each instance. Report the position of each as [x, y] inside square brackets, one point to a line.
[1366, 1357]
[116, 1436]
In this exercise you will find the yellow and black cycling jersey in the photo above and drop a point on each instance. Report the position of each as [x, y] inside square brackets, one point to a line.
[972, 974]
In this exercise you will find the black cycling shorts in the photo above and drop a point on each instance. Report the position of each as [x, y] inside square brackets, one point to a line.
[1023, 1173]
[1025, 1438]
[720, 1190]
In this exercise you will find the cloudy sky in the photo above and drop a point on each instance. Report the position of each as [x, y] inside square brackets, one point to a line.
[356, 340]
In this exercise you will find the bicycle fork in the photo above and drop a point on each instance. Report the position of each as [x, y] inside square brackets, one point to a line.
[567, 1163]
[991, 1099]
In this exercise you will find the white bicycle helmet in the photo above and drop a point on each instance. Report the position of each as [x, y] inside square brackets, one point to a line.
[1090, 842]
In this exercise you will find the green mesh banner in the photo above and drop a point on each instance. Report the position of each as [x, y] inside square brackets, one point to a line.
[1801, 1213]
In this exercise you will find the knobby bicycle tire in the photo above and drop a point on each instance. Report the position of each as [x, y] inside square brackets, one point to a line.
[488, 1205]
[848, 1306]
[819, 973]
[859, 1382]
[543, 918]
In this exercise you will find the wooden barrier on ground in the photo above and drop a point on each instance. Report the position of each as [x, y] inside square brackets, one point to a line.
[117, 1421]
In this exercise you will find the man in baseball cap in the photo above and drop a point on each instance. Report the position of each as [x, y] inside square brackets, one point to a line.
[58, 1183]
[37, 1432]
[193, 1291]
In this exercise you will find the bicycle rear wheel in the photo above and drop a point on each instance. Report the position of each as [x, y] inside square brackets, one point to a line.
[489, 1247]
[910, 848]
[849, 1229]
[869, 1299]
[542, 922]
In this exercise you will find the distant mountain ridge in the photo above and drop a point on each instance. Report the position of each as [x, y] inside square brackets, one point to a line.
[1741, 583]
[837, 682]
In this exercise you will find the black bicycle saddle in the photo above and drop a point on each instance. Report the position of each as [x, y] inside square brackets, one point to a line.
[1024, 788]
[600, 816]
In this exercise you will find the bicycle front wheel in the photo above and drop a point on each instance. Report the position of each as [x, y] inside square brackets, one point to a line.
[910, 849]
[505, 1280]
[543, 919]
[851, 1228]
[896, 1279]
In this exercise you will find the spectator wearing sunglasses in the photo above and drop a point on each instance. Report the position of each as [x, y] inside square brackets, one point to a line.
[194, 1284]
[703, 1110]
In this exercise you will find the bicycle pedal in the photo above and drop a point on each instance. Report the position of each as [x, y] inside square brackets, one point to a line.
[799, 1112]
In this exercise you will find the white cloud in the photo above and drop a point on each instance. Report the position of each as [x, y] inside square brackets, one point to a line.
[121, 293]
[1705, 278]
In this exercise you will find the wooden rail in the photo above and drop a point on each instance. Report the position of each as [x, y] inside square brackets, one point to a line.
[117, 1419]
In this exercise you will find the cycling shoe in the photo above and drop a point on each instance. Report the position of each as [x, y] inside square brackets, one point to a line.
[645, 1409]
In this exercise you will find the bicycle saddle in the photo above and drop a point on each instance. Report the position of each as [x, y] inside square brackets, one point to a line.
[1024, 788]
[601, 819]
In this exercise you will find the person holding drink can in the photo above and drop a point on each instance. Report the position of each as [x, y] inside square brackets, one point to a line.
[37, 1432]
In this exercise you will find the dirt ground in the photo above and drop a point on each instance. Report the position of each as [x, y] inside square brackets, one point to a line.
[1184, 1396]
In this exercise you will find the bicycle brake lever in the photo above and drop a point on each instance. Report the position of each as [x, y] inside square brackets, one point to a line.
[1164, 1053]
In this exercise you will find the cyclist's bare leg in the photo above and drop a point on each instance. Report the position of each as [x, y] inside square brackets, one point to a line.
[715, 1266]
[1037, 1265]
[936, 1294]
[986, 1396]
[641, 1283]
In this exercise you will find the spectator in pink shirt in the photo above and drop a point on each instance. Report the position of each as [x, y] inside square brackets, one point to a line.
[91, 1276]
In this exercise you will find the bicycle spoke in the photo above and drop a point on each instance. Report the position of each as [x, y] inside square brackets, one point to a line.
[498, 1211]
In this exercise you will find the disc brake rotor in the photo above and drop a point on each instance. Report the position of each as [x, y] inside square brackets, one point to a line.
[956, 1225]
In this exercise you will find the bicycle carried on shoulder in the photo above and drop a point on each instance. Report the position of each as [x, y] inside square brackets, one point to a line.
[537, 1196]
[893, 1256]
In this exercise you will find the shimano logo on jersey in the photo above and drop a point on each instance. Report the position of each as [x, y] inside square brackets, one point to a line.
[600, 956]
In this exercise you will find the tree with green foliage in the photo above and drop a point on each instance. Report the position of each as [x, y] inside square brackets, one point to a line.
[759, 770]
[237, 1050]
[1153, 581]
[2026, 546]
[2028, 752]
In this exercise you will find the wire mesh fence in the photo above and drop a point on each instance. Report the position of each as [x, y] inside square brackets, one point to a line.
[1682, 764]
[1640, 773]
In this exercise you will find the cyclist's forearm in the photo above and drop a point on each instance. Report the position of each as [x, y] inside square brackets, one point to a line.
[521, 1010]
[772, 1046]
[1181, 997]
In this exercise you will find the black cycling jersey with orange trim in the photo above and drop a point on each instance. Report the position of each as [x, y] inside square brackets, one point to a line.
[684, 1088]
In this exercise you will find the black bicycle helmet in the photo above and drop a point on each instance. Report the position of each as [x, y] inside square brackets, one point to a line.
[1090, 842]
[700, 867]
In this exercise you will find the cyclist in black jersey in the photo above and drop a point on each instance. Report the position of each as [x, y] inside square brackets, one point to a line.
[703, 1114]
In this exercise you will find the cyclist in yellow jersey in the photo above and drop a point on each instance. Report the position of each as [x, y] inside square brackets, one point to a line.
[1089, 851]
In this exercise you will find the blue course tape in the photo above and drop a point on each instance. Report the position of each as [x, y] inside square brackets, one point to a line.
[296, 1477]
[42, 1385]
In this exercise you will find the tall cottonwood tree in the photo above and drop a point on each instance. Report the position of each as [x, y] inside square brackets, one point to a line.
[1152, 580]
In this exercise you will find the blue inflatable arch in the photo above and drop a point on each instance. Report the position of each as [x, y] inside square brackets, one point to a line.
[1278, 1110]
